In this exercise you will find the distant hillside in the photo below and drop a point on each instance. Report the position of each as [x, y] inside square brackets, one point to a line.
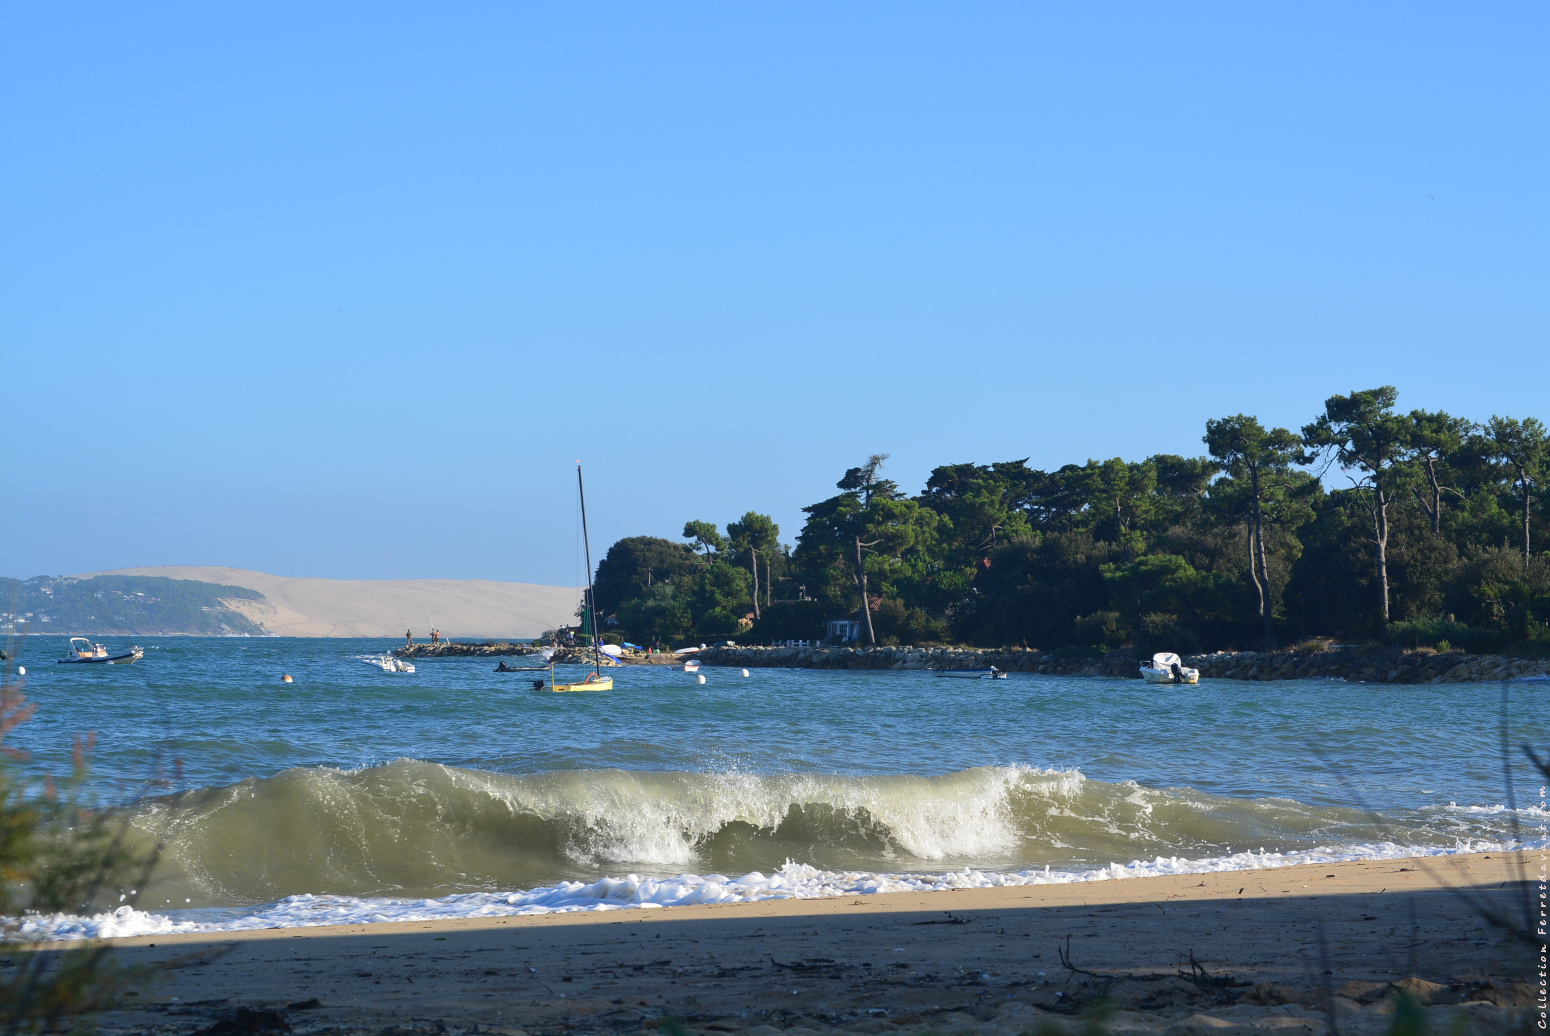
[302, 607]
[126, 605]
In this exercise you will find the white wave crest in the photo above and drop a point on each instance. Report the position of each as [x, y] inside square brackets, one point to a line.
[659, 818]
[791, 881]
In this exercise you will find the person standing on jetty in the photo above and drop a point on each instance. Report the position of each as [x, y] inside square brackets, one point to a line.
[408, 639]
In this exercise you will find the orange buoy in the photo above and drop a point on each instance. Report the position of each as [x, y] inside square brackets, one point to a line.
[287, 678]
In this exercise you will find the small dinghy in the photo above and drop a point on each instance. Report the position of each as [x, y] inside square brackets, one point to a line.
[593, 682]
[84, 652]
[1165, 667]
[388, 664]
[971, 674]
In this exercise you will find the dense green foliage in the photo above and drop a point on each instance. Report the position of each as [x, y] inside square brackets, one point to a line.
[127, 605]
[1369, 523]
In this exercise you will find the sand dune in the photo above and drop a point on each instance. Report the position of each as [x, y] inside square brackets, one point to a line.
[295, 607]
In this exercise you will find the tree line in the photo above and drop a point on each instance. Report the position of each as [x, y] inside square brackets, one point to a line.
[128, 605]
[1368, 522]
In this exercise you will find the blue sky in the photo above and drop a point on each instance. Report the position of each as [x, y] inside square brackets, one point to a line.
[345, 290]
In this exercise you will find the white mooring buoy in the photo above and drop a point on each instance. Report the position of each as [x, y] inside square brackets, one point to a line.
[745, 672]
[699, 679]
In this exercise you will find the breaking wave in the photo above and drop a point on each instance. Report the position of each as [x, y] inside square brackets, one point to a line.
[417, 831]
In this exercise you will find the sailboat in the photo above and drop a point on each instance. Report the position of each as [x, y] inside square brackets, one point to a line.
[595, 680]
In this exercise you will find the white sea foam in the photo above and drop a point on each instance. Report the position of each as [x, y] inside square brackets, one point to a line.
[1497, 810]
[791, 881]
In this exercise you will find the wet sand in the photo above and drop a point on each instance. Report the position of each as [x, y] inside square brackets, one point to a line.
[1272, 951]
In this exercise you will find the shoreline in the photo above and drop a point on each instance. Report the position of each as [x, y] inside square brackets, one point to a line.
[1365, 666]
[611, 894]
[986, 958]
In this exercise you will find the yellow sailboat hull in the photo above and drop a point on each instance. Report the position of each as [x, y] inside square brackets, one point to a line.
[593, 683]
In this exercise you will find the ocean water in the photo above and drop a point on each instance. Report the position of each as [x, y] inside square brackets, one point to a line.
[356, 795]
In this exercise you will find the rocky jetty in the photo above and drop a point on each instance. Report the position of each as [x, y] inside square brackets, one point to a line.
[1354, 665]
[452, 649]
[1366, 667]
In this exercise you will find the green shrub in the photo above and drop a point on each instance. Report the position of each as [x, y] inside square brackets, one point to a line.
[1435, 633]
[718, 622]
[57, 855]
[896, 624]
[794, 620]
[1164, 631]
[1102, 629]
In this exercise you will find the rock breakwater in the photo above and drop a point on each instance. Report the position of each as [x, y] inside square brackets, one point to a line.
[1411, 667]
[451, 649]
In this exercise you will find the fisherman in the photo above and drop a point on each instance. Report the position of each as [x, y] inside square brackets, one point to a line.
[408, 639]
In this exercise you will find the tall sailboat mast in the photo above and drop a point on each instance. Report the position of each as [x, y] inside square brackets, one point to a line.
[597, 660]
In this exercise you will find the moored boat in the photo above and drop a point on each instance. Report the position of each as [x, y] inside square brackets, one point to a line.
[1165, 667]
[84, 652]
[971, 674]
[595, 680]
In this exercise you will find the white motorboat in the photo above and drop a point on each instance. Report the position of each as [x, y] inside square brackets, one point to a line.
[1165, 667]
[83, 651]
[971, 674]
[388, 664]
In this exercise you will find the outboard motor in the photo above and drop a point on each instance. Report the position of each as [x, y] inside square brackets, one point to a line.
[538, 685]
[1178, 673]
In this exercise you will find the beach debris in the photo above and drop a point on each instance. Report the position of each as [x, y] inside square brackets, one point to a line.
[247, 1021]
[311, 1004]
[1065, 961]
[533, 973]
[1200, 977]
[823, 967]
[952, 918]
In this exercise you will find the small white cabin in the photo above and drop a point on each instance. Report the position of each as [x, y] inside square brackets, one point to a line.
[844, 631]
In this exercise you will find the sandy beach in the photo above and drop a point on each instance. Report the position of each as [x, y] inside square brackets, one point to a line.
[1242, 951]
